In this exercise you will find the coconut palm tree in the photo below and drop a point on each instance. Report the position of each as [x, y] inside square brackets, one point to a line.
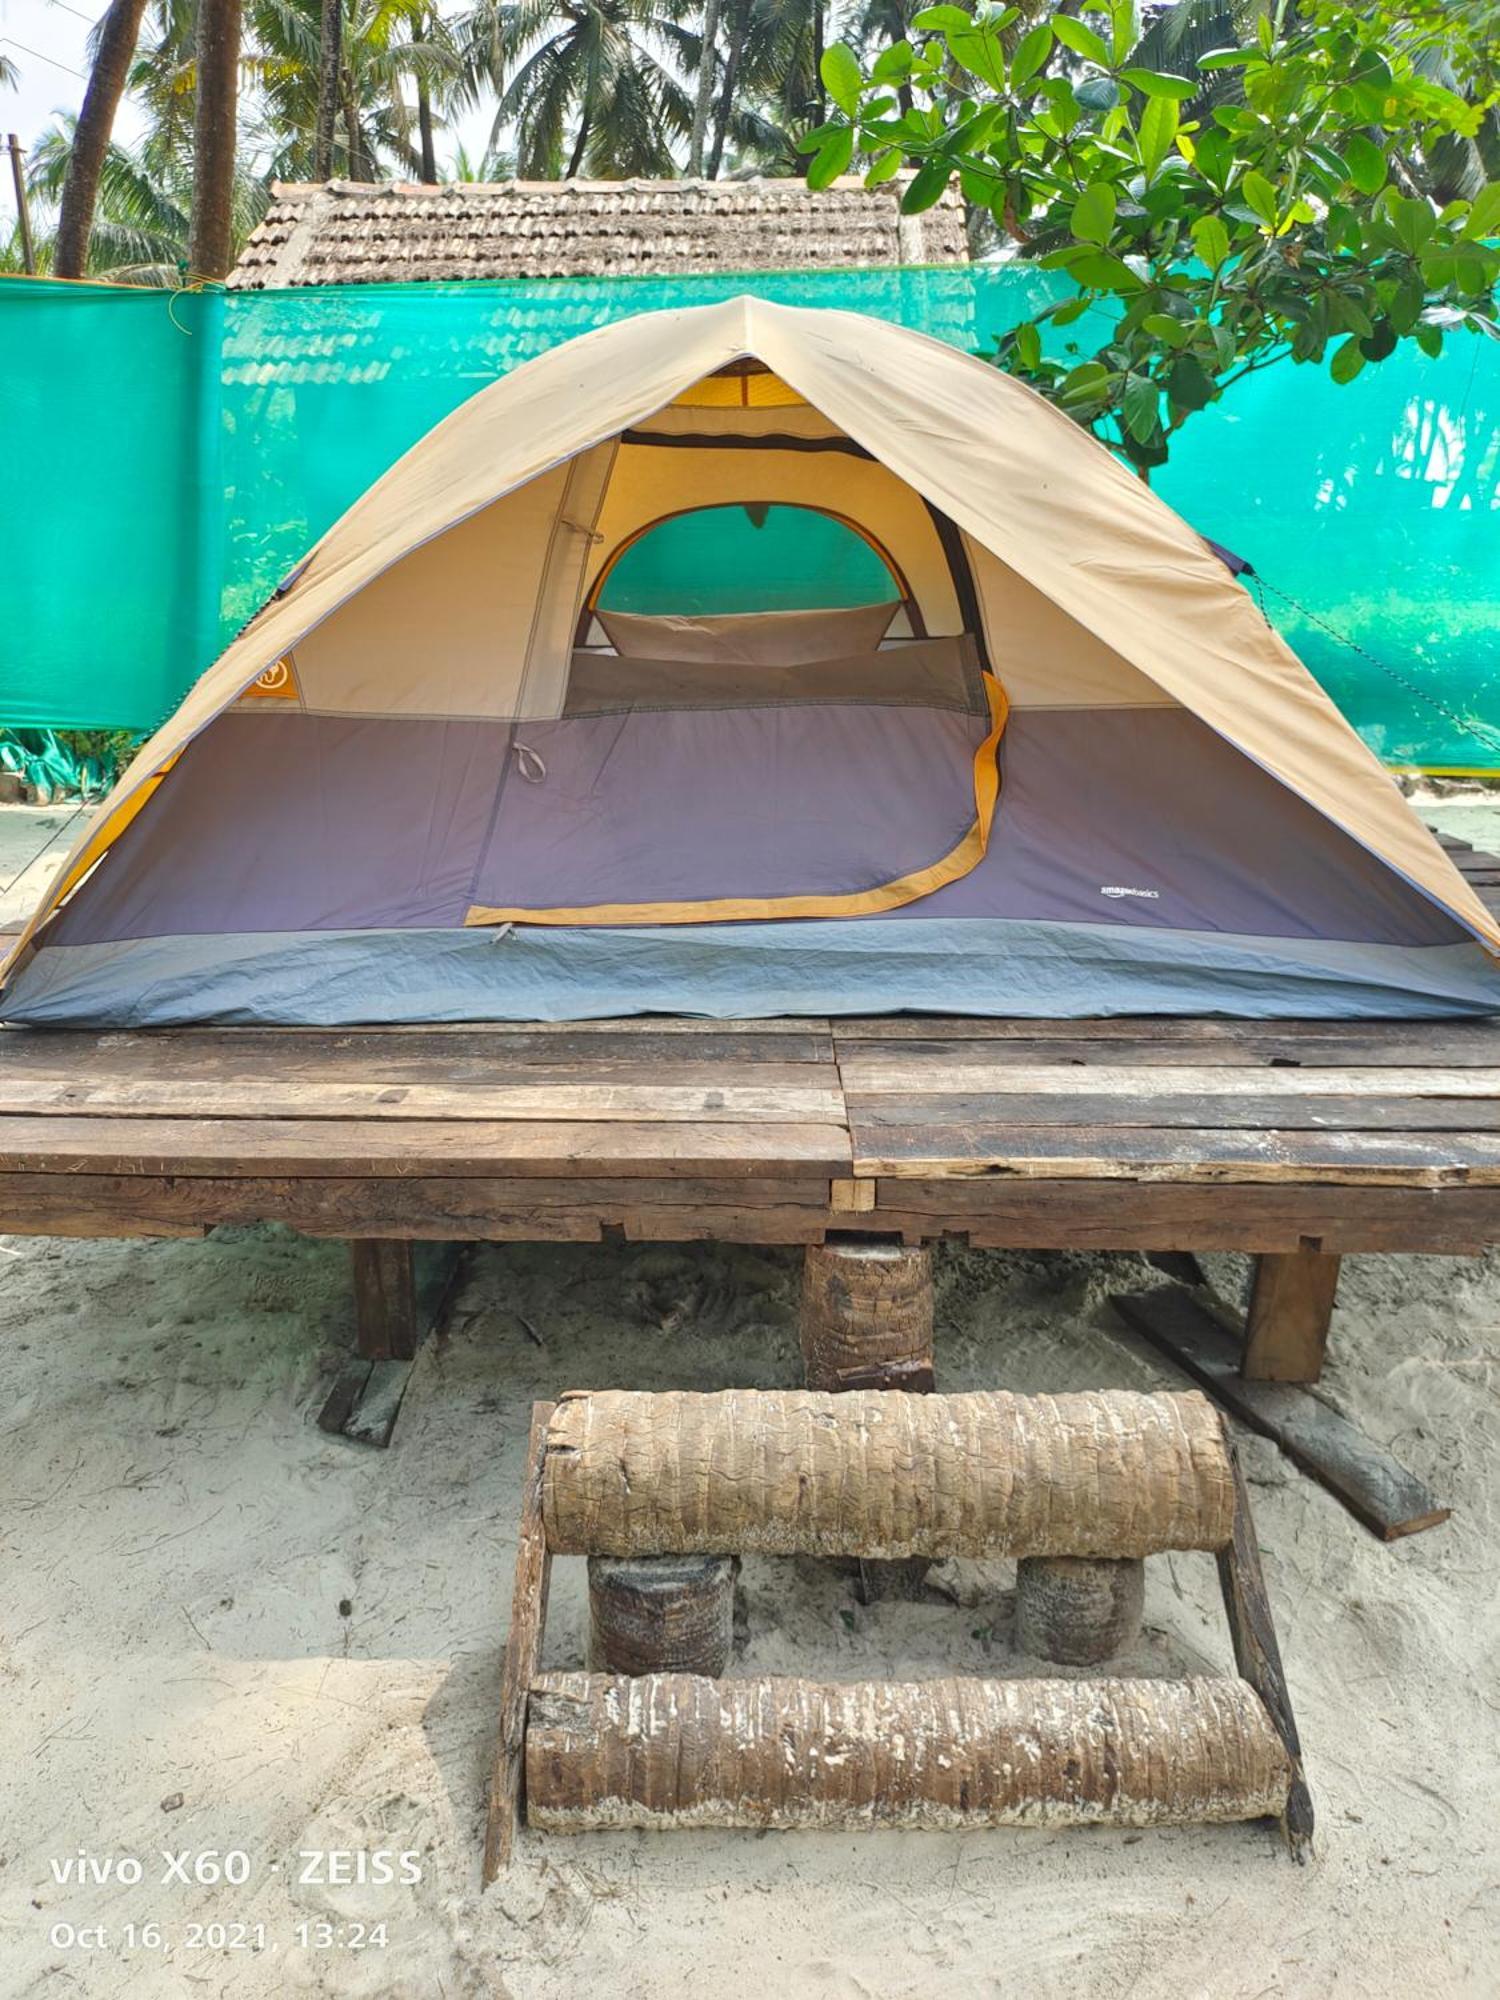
[114, 46]
[385, 45]
[587, 85]
[141, 221]
[215, 137]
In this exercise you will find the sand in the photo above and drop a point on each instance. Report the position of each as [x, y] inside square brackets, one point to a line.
[224, 1631]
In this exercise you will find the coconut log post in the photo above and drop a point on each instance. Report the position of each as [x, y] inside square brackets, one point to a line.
[867, 1316]
[1078, 1610]
[797, 1472]
[661, 1614]
[867, 1324]
[677, 1751]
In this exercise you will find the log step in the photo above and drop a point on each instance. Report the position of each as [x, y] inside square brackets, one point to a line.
[883, 1475]
[681, 1751]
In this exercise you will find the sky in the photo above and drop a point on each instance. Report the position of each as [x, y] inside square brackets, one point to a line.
[45, 39]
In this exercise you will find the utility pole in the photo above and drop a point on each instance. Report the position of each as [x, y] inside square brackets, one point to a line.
[23, 211]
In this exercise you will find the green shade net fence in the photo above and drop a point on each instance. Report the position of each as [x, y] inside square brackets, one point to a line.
[171, 456]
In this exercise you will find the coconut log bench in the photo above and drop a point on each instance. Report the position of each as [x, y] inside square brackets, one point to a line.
[663, 1493]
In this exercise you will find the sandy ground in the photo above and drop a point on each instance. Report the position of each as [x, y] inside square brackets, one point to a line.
[222, 1631]
[225, 1631]
[33, 841]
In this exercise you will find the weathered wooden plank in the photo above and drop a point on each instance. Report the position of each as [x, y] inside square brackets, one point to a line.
[523, 1655]
[1206, 1111]
[1291, 1306]
[960, 1077]
[242, 1098]
[1359, 1473]
[991, 1212]
[1124, 1152]
[434, 1056]
[1045, 1214]
[1252, 1631]
[412, 1207]
[640, 1027]
[1170, 1040]
[366, 1400]
[334, 1148]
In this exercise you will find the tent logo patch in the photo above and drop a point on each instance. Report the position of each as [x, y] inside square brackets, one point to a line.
[1146, 895]
[277, 683]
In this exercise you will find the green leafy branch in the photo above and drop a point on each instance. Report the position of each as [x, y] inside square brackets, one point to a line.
[1285, 221]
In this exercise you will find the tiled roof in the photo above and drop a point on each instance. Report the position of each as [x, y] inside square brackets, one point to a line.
[347, 233]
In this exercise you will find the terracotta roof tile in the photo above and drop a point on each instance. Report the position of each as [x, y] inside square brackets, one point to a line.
[346, 233]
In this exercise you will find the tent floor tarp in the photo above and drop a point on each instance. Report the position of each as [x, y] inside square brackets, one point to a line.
[983, 967]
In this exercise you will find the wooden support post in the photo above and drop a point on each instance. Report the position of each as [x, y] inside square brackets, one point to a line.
[661, 1614]
[402, 1291]
[867, 1324]
[867, 1316]
[523, 1655]
[385, 1300]
[1078, 1610]
[1257, 1654]
[1291, 1304]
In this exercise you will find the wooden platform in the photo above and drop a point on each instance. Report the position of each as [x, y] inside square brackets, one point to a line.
[1167, 1134]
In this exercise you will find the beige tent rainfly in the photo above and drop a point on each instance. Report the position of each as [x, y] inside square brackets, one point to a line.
[745, 660]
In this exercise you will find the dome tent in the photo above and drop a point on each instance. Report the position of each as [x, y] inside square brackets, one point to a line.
[748, 660]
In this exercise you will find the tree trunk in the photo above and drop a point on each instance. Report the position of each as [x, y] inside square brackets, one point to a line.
[705, 97]
[217, 55]
[661, 1614]
[330, 65]
[737, 28]
[880, 1474]
[820, 100]
[575, 164]
[101, 100]
[1078, 1610]
[354, 136]
[867, 1316]
[679, 1750]
[424, 127]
